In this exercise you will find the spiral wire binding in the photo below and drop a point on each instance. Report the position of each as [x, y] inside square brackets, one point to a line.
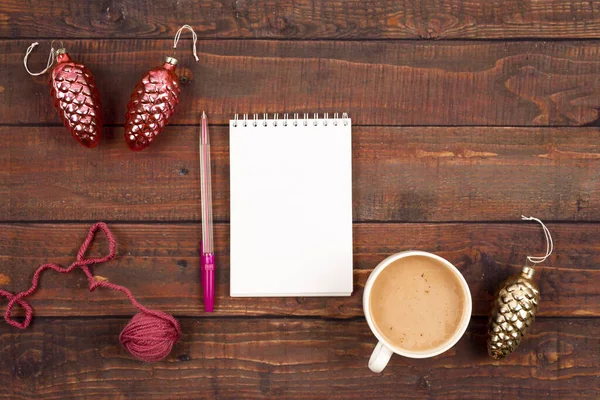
[294, 121]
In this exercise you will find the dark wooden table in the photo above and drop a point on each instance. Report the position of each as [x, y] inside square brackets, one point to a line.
[467, 114]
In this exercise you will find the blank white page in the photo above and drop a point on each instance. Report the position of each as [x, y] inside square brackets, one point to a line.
[291, 207]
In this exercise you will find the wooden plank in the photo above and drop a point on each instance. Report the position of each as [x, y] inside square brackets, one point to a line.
[400, 174]
[304, 19]
[159, 263]
[378, 82]
[290, 358]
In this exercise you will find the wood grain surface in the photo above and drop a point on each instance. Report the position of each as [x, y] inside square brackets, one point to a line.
[304, 19]
[453, 140]
[160, 264]
[399, 174]
[376, 82]
[292, 358]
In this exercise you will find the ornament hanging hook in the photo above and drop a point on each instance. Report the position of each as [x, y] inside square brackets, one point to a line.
[549, 242]
[51, 58]
[194, 38]
[62, 45]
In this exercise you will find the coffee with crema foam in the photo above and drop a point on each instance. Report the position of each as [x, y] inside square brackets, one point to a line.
[417, 303]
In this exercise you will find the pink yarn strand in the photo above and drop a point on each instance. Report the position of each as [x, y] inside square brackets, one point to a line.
[149, 336]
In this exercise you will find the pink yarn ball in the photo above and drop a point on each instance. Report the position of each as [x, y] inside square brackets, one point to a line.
[150, 337]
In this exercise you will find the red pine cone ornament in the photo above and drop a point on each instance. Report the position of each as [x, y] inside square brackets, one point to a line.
[152, 103]
[76, 97]
[77, 100]
[153, 100]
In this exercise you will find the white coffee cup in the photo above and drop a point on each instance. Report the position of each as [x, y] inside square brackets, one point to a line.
[384, 349]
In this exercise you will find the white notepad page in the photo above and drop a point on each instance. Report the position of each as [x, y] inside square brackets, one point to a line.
[291, 207]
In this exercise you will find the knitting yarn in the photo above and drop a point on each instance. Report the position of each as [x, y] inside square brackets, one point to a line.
[149, 336]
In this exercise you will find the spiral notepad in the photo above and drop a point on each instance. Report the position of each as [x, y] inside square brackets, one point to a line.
[291, 206]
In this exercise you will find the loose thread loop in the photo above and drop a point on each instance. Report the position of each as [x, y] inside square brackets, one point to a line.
[51, 58]
[194, 38]
[549, 242]
[81, 262]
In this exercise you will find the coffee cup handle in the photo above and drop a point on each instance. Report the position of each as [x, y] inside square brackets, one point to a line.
[380, 358]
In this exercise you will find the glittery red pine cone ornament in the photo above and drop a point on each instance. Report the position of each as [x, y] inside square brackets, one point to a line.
[77, 100]
[151, 105]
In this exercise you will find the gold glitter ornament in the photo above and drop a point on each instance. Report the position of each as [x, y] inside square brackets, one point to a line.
[513, 311]
[515, 305]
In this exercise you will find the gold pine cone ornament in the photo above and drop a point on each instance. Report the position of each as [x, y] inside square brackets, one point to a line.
[513, 311]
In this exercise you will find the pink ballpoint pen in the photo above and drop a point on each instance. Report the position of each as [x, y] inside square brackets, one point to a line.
[207, 255]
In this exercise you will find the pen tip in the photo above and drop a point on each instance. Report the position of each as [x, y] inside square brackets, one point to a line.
[203, 114]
